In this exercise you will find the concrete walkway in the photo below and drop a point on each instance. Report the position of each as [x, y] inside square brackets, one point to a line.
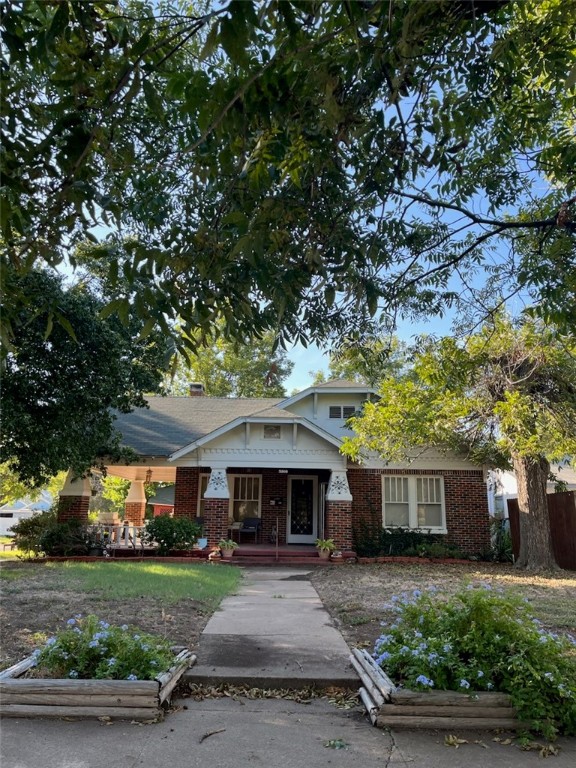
[274, 633]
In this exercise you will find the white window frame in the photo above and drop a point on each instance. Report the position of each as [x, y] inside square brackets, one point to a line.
[413, 503]
[344, 411]
[230, 479]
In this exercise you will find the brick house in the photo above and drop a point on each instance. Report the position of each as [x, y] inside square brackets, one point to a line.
[279, 460]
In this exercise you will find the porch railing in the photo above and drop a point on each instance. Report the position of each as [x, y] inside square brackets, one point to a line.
[122, 536]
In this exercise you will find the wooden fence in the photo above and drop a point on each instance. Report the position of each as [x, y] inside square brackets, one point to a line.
[562, 511]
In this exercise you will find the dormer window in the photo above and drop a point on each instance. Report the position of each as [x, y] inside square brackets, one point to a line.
[272, 432]
[341, 411]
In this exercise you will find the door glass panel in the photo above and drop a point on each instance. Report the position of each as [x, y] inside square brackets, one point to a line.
[302, 508]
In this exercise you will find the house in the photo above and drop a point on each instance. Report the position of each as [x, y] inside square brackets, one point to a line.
[502, 486]
[279, 460]
[162, 502]
[12, 513]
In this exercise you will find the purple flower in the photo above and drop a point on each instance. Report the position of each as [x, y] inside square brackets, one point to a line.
[131, 677]
[423, 680]
[464, 684]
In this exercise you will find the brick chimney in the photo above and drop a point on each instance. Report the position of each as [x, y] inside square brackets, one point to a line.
[195, 389]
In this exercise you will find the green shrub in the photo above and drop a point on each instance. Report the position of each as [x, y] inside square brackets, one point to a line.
[172, 533]
[481, 640]
[371, 540]
[29, 531]
[67, 539]
[93, 649]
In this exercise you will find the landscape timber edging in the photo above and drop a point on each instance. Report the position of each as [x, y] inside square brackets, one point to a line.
[391, 707]
[114, 699]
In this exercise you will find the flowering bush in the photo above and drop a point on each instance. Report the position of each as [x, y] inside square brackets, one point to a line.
[481, 640]
[93, 649]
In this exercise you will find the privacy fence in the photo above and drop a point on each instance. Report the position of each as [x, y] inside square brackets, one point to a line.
[562, 512]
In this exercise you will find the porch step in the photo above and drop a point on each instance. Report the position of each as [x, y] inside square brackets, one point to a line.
[261, 555]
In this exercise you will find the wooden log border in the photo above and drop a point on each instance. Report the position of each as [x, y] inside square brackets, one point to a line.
[391, 707]
[115, 699]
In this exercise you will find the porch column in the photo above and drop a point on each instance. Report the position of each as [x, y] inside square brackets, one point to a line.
[74, 499]
[135, 504]
[338, 515]
[216, 505]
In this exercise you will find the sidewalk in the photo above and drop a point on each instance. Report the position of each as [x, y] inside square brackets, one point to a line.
[274, 633]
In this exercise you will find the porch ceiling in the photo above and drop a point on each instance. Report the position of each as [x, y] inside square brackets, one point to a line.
[160, 472]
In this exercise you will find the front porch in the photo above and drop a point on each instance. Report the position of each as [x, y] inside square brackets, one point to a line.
[128, 541]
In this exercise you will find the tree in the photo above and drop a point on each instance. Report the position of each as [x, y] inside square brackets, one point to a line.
[226, 369]
[506, 397]
[12, 488]
[64, 377]
[292, 166]
[367, 361]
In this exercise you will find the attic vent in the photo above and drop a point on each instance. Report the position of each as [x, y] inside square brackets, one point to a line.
[341, 411]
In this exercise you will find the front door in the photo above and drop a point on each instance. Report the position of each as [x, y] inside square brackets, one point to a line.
[302, 509]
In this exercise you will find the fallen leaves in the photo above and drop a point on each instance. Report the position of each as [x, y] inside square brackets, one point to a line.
[336, 744]
[339, 697]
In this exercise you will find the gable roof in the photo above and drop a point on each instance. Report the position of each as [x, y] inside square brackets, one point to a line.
[340, 386]
[170, 423]
[270, 414]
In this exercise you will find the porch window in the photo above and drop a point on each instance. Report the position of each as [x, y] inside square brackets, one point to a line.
[204, 480]
[413, 502]
[244, 496]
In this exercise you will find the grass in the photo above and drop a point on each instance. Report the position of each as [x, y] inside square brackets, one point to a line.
[170, 583]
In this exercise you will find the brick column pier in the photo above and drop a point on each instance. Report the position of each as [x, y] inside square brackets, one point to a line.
[74, 499]
[338, 513]
[216, 506]
[135, 504]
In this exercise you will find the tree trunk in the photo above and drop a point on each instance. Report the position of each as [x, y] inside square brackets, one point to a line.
[536, 553]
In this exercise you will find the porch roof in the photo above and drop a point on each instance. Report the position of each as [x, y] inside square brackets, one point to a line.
[170, 423]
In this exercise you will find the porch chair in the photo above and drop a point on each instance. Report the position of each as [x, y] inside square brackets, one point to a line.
[250, 525]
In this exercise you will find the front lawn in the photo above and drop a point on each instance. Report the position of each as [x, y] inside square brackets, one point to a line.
[174, 601]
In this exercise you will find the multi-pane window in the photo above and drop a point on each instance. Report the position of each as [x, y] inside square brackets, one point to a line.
[244, 497]
[413, 501]
[341, 411]
[245, 493]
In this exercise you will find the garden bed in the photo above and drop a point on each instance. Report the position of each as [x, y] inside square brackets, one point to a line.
[114, 699]
[392, 707]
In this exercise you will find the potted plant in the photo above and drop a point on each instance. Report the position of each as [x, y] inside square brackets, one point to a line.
[325, 547]
[227, 547]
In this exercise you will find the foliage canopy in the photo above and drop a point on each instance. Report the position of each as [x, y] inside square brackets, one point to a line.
[293, 166]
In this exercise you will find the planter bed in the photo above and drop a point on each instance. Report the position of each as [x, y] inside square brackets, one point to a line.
[116, 699]
[391, 707]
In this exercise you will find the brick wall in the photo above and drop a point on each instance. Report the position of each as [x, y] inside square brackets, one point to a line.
[467, 518]
[186, 491]
[73, 507]
[134, 512]
[215, 520]
[338, 523]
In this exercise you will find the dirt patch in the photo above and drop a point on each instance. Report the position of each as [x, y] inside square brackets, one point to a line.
[355, 595]
[33, 604]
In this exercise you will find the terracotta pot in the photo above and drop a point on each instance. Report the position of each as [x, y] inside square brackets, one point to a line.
[227, 553]
[324, 554]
